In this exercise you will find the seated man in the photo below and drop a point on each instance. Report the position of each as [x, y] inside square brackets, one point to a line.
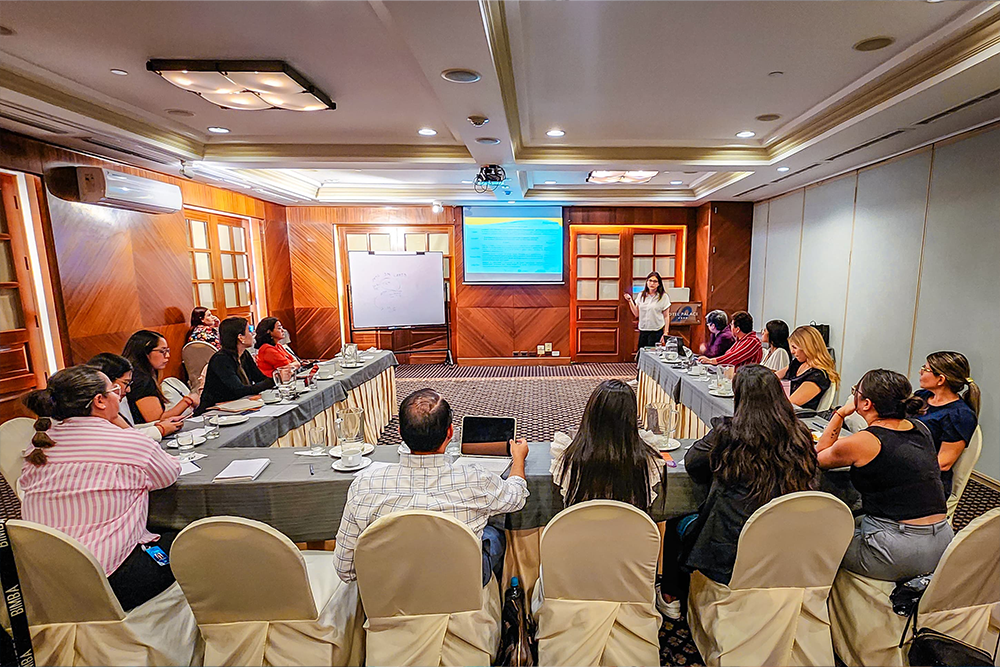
[425, 479]
[746, 350]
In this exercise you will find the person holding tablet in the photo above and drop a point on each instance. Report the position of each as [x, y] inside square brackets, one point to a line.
[652, 307]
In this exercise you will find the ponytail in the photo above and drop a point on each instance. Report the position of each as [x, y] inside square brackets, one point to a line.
[40, 442]
[955, 368]
[913, 405]
[68, 393]
[890, 393]
[972, 396]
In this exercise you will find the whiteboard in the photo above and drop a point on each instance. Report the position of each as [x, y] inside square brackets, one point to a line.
[396, 289]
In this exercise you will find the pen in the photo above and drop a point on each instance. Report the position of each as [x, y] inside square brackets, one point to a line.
[311, 471]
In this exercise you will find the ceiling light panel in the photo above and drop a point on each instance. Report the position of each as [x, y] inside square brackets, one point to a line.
[244, 84]
[632, 177]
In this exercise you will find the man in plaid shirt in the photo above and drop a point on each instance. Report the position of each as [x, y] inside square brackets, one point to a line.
[426, 479]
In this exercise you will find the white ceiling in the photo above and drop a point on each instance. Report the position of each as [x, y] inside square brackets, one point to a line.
[640, 85]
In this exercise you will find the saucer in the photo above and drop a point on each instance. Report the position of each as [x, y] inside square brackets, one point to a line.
[198, 440]
[340, 468]
[366, 449]
[715, 392]
[672, 444]
[233, 420]
[272, 401]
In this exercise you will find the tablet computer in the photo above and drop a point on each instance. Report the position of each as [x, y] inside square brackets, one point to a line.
[487, 436]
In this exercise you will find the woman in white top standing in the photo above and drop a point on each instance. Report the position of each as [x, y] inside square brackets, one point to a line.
[651, 307]
[775, 339]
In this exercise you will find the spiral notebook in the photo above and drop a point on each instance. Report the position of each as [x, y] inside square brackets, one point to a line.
[243, 470]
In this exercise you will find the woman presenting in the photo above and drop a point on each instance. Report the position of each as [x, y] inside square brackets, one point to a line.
[651, 307]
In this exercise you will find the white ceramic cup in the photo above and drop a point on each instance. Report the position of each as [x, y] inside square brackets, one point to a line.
[270, 396]
[325, 372]
[350, 456]
[671, 356]
[300, 386]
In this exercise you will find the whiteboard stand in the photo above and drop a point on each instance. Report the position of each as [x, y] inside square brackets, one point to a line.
[447, 331]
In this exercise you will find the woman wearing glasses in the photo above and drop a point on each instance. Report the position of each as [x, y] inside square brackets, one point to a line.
[148, 353]
[952, 416]
[118, 369]
[91, 479]
[904, 528]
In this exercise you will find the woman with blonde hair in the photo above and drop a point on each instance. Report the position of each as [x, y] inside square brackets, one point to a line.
[811, 370]
[950, 416]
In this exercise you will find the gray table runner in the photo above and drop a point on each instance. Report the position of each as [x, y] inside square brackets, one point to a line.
[307, 507]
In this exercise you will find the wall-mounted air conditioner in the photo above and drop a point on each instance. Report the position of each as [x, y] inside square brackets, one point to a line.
[95, 185]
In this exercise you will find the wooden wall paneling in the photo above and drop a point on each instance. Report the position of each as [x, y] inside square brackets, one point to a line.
[278, 267]
[729, 269]
[371, 215]
[314, 289]
[486, 332]
[162, 268]
[537, 326]
[700, 277]
[317, 332]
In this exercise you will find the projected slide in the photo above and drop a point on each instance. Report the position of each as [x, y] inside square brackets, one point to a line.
[513, 244]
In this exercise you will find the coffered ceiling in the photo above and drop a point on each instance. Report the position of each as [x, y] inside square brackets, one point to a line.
[661, 86]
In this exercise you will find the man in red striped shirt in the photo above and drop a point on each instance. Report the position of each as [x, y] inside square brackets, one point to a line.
[746, 350]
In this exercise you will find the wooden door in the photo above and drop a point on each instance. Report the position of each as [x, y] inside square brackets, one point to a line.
[221, 265]
[22, 364]
[606, 262]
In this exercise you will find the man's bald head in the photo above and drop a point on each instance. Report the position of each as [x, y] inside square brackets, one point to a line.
[424, 419]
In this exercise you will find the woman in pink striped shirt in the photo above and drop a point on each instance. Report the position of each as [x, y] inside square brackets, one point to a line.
[90, 479]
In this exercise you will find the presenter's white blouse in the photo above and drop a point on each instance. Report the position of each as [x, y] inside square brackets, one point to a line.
[651, 312]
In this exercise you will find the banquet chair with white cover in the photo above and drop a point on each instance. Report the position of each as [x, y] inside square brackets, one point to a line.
[962, 601]
[829, 396]
[259, 600]
[962, 470]
[774, 610]
[15, 437]
[74, 616]
[420, 577]
[598, 576]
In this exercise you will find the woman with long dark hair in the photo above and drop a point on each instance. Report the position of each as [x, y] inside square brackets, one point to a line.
[951, 415]
[775, 340]
[149, 353]
[904, 527]
[607, 459]
[91, 479]
[652, 307]
[232, 372]
[763, 451]
[204, 327]
[118, 369]
[271, 354]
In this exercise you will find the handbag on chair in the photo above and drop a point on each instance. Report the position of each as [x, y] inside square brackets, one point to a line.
[934, 649]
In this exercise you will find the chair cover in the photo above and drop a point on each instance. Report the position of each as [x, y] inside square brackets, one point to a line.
[76, 619]
[829, 396]
[15, 436]
[774, 610]
[195, 356]
[260, 601]
[174, 390]
[598, 573]
[963, 598]
[420, 576]
[865, 629]
[962, 470]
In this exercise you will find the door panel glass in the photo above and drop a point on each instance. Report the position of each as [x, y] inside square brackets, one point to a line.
[586, 244]
[641, 266]
[666, 244]
[415, 242]
[244, 294]
[381, 242]
[438, 243]
[586, 290]
[586, 267]
[238, 240]
[224, 242]
[202, 266]
[608, 290]
[241, 267]
[642, 244]
[206, 295]
[665, 266]
[228, 271]
[7, 272]
[11, 315]
[230, 290]
[358, 242]
[609, 267]
[446, 264]
[609, 244]
[199, 234]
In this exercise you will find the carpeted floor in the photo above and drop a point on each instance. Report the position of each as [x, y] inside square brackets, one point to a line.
[546, 399]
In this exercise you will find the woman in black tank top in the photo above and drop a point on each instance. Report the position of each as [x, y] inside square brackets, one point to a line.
[903, 529]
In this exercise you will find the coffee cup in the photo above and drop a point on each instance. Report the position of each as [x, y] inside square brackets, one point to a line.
[325, 372]
[351, 456]
[270, 396]
[671, 356]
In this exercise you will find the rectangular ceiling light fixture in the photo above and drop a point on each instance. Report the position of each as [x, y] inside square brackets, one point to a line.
[244, 84]
[621, 176]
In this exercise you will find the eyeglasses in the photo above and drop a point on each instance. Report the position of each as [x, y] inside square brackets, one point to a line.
[123, 385]
[925, 369]
[162, 350]
[117, 390]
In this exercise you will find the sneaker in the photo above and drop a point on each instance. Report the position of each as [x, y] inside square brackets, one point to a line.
[671, 610]
[632, 383]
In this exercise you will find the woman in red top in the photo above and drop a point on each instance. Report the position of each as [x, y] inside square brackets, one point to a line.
[271, 354]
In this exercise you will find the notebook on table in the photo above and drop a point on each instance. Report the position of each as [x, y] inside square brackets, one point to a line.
[240, 405]
[486, 442]
[243, 470]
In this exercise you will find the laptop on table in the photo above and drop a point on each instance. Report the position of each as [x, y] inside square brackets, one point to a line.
[486, 442]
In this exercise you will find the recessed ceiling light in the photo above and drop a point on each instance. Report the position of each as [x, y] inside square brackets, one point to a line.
[467, 182]
[746, 134]
[426, 132]
[676, 182]
[218, 130]
[768, 117]
[783, 169]
[874, 43]
[488, 141]
[550, 182]
[555, 132]
[933, 0]
[119, 72]
[459, 75]
[6, 32]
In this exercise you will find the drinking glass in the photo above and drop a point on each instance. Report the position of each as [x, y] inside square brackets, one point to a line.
[185, 443]
[350, 422]
[351, 354]
[211, 426]
[317, 440]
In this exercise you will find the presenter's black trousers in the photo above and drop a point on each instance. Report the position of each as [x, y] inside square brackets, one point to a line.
[649, 338]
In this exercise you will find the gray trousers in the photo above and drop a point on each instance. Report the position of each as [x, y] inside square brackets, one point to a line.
[890, 551]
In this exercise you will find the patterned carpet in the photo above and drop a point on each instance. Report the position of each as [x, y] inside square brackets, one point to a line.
[545, 399]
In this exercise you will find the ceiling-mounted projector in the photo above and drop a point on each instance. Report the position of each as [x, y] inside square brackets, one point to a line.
[105, 187]
[489, 178]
